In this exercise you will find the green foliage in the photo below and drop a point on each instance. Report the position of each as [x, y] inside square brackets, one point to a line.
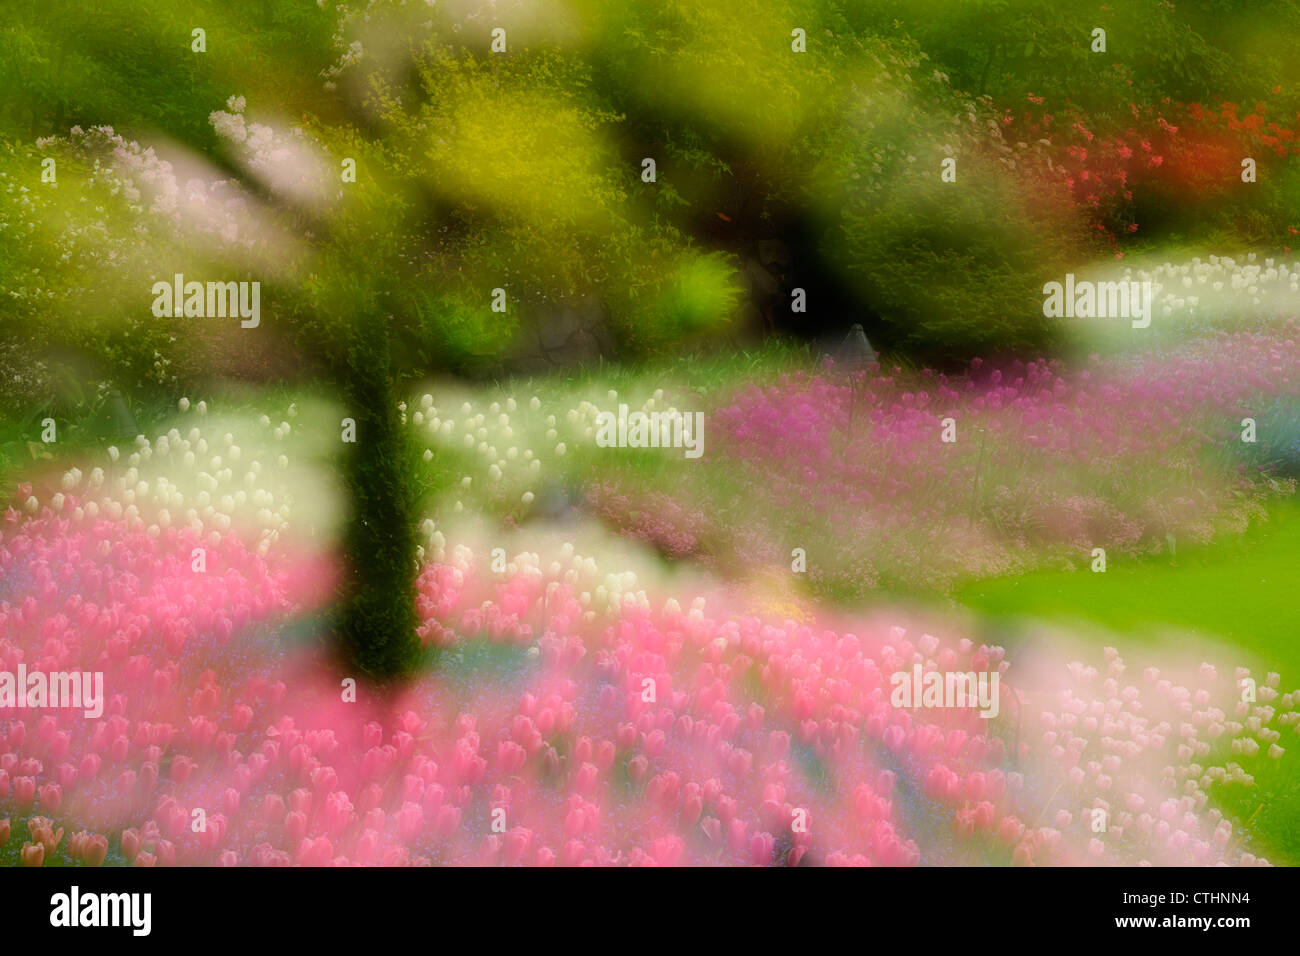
[129, 62]
[953, 269]
[1005, 48]
[462, 334]
[700, 298]
[725, 66]
[66, 314]
[704, 294]
[953, 272]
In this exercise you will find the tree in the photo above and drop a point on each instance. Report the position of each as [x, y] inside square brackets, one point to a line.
[396, 229]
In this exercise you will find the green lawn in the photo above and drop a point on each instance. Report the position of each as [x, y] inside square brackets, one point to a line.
[1244, 595]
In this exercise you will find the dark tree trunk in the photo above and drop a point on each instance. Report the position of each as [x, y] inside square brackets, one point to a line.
[377, 618]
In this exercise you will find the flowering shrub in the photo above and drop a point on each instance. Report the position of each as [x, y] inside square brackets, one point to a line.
[1165, 158]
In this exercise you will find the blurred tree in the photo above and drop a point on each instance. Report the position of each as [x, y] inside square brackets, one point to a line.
[433, 206]
[501, 215]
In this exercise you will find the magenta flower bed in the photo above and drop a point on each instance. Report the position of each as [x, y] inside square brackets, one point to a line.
[1048, 464]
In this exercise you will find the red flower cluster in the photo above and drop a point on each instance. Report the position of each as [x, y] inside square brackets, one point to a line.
[1185, 151]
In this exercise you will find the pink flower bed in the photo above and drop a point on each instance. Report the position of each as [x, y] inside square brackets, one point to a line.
[1048, 463]
[607, 731]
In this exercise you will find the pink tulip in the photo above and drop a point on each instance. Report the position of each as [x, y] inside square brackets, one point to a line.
[447, 821]
[130, 842]
[637, 768]
[90, 765]
[31, 855]
[295, 826]
[410, 821]
[51, 797]
[516, 844]
[95, 850]
[368, 846]
[1010, 830]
